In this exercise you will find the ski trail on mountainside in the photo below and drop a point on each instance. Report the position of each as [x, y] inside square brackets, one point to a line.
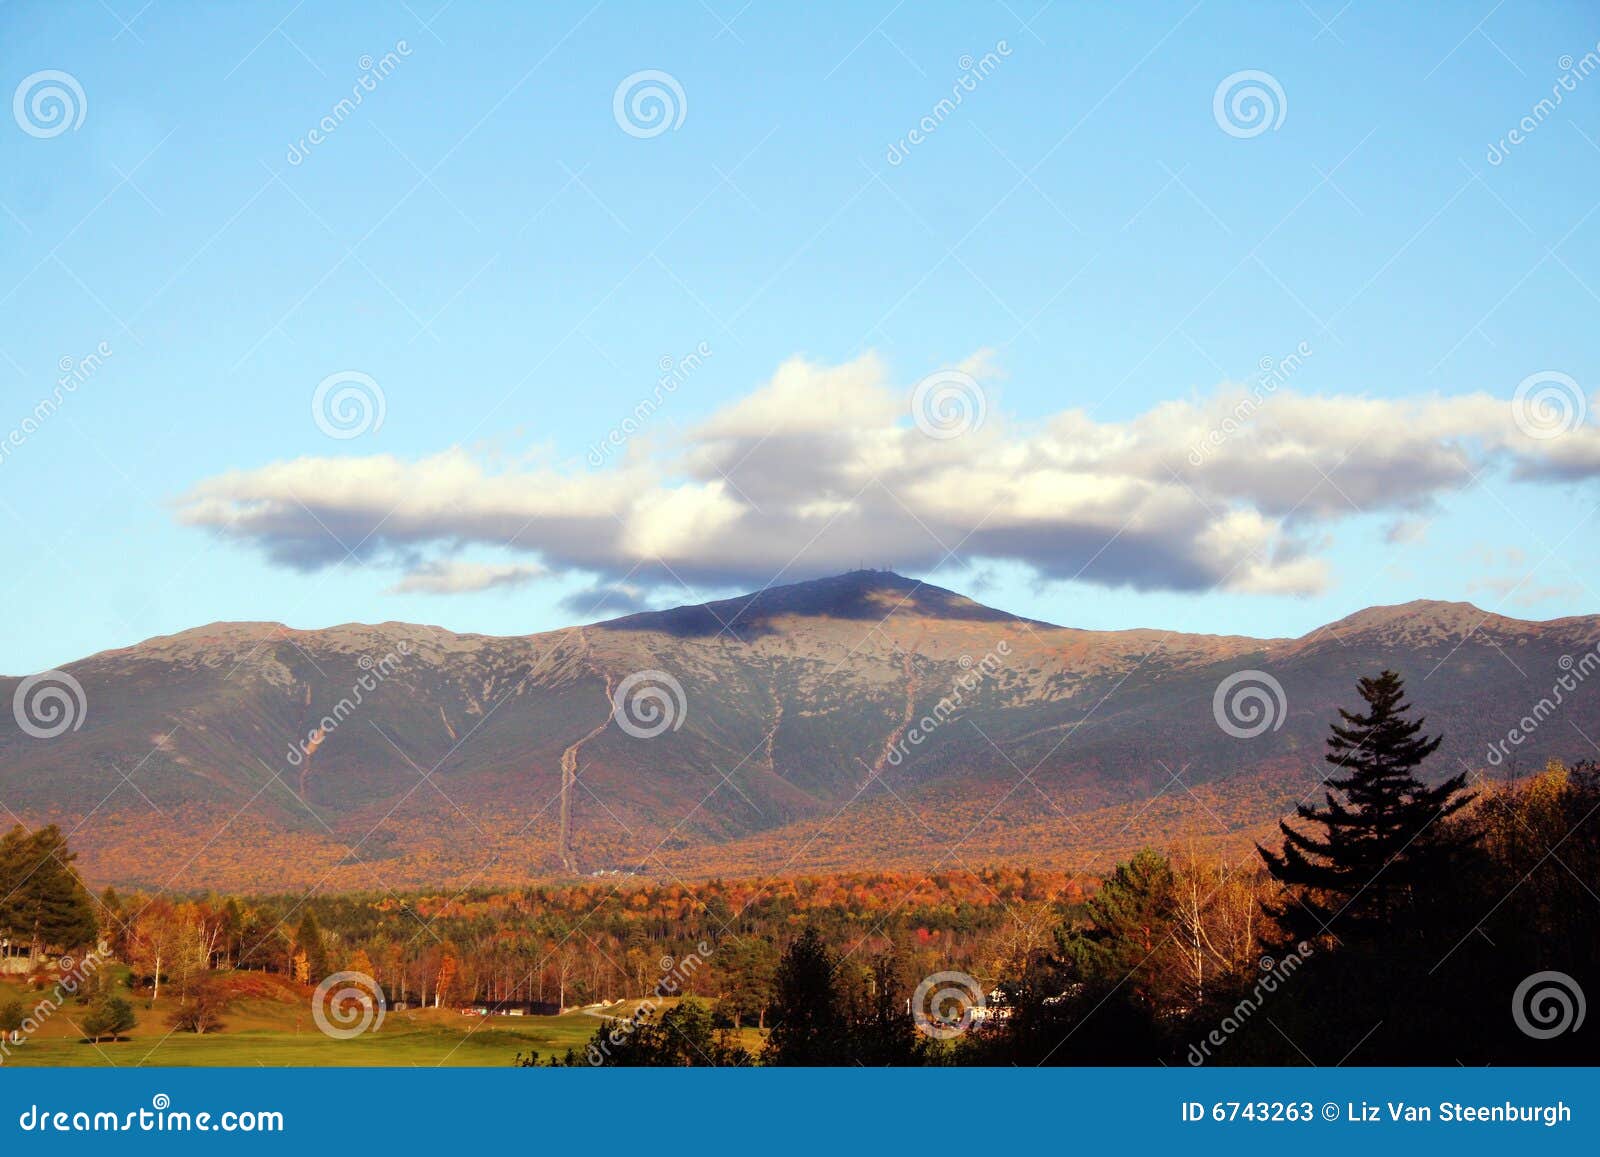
[569, 764]
[777, 722]
[913, 685]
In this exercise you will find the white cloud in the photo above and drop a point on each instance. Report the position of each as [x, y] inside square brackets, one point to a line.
[448, 577]
[821, 467]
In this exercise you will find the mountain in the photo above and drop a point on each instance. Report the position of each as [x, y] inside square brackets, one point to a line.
[863, 720]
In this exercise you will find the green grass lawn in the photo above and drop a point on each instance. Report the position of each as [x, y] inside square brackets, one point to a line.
[401, 1041]
[281, 1032]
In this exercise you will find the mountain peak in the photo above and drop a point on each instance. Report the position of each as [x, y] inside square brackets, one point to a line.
[1419, 623]
[1417, 613]
[867, 595]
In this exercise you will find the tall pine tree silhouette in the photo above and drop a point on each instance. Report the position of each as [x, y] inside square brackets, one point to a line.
[808, 1020]
[1385, 834]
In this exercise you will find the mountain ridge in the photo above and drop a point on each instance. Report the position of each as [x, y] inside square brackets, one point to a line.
[896, 712]
[645, 620]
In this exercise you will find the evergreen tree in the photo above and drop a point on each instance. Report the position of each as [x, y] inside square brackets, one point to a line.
[109, 1016]
[1096, 998]
[114, 922]
[232, 926]
[1125, 929]
[681, 1037]
[1385, 834]
[882, 1030]
[308, 941]
[747, 982]
[807, 1013]
[42, 901]
[262, 944]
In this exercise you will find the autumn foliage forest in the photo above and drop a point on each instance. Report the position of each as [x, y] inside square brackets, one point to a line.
[1394, 924]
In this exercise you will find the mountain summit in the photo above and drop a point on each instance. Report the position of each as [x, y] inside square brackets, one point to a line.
[864, 596]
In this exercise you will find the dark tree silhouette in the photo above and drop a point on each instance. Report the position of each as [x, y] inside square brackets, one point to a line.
[308, 939]
[682, 1037]
[882, 1030]
[1384, 836]
[808, 1018]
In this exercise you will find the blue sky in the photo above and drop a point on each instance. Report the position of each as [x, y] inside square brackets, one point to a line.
[509, 267]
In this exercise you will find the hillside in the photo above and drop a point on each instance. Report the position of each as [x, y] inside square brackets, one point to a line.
[798, 740]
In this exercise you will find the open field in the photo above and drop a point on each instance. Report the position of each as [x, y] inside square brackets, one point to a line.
[262, 1032]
